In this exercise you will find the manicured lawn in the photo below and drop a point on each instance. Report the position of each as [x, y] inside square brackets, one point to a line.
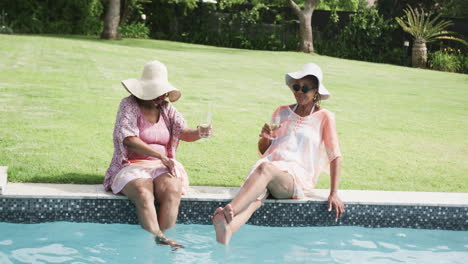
[400, 128]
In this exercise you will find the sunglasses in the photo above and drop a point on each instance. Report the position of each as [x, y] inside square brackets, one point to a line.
[304, 88]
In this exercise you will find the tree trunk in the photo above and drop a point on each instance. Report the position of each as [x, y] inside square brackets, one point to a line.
[124, 9]
[305, 26]
[111, 20]
[419, 54]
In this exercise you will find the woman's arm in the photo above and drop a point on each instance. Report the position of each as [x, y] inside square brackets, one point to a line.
[335, 171]
[137, 145]
[330, 140]
[334, 200]
[190, 135]
[264, 142]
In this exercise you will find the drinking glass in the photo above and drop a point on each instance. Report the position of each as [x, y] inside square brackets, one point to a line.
[274, 125]
[204, 126]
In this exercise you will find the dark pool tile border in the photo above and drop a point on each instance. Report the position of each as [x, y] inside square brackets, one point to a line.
[308, 213]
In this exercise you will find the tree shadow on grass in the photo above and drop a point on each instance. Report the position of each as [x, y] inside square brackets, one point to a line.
[70, 178]
[149, 44]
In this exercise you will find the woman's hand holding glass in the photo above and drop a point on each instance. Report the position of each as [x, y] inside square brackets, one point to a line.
[205, 130]
[269, 130]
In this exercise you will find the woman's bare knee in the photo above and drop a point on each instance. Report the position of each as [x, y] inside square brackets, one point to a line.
[138, 189]
[174, 189]
[142, 197]
[262, 167]
[282, 186]
[170, 189]
[265, 169]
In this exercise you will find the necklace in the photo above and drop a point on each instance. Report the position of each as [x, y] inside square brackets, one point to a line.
[297, 106]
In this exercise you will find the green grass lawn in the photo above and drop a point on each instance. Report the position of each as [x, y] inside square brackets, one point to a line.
[400, 128]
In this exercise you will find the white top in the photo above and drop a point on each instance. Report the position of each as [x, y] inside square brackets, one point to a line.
[304, 146]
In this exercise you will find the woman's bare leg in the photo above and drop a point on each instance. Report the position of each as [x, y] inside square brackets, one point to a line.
[168, 192]
[266, 175]
[224, 231]
[230, 218]
[140, 192]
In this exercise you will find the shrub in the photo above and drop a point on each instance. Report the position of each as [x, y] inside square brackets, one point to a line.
[367, 36]
[57, 17]
[5, 30]
[134, 30]
[443, 61]
[235, 24]
[463, 63]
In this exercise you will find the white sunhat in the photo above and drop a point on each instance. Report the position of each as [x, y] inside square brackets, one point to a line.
[152, 83]
[309, 69]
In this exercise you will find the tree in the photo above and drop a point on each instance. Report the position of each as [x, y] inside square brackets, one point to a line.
[111, 20]
[455, 8]
[448, 8]
[424, 30]
[305, 23]
[305, 17]
[128, 9]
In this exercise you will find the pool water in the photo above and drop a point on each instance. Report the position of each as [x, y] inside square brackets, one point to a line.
[79, 243]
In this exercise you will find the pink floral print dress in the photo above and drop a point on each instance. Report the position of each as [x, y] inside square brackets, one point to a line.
[125, 165]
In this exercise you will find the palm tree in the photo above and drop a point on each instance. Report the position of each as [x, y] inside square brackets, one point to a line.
[424, 30]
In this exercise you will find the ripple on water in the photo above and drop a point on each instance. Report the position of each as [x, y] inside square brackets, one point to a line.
[54, 253]
[113, 243]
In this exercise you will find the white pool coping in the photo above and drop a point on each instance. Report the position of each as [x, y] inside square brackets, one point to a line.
[208, 193]
[3, 178]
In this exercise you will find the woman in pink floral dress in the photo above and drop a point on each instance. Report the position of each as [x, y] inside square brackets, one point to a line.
[305, 144]
[146, 135]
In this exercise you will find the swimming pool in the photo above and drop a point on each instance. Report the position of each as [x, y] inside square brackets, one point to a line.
[77, 243]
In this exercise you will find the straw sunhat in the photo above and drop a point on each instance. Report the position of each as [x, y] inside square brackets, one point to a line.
[152, 83]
